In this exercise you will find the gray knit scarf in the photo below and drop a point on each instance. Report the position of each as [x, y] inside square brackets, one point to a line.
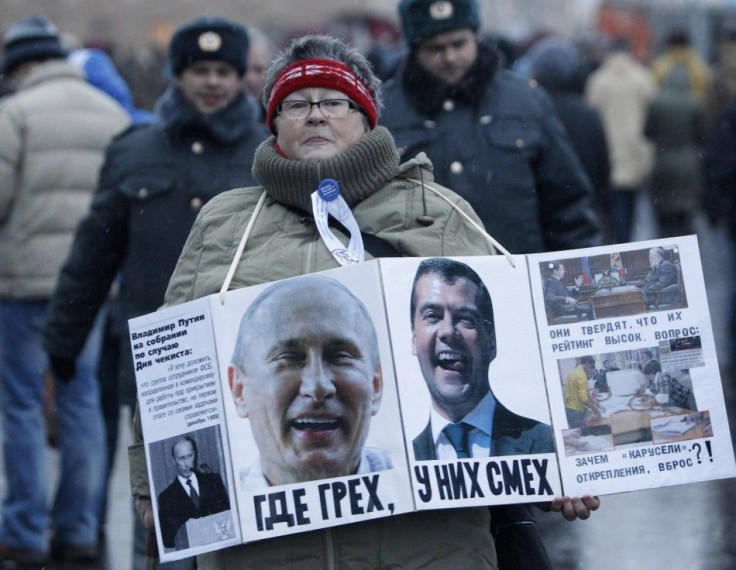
[362, 170]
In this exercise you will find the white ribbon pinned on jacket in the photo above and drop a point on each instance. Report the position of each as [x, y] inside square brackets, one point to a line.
[326, 202]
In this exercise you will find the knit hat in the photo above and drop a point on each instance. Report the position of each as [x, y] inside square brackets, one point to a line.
[31, 39]
[328, 73]
[555, 63]
[209, 38]
[421, 19]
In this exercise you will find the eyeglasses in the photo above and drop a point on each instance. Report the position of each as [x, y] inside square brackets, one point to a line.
[298, 109]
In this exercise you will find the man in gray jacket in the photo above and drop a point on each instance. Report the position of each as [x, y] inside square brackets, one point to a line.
[53, 133]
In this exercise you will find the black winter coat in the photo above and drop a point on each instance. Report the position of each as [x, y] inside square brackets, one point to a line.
[584, 127]
[502, 148]
[719, 166]
[153, 183]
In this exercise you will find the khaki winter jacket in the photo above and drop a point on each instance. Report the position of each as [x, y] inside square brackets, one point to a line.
[53, 135]
[390, 202]
[284, 241]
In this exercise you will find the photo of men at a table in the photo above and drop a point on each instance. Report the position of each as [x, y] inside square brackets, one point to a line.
[613, 285]
[627, 398]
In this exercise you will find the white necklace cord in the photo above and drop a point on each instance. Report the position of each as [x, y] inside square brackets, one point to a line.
[262, 199]
[480, 229]
[241, 247]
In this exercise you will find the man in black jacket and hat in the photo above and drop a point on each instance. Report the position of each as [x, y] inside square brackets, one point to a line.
[495, 139]
[154, 181]
[490, 135]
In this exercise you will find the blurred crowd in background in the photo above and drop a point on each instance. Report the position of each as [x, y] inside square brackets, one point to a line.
[648, 114]
[674, 51]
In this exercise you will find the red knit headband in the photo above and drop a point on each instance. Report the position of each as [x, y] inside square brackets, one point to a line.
[327, 73]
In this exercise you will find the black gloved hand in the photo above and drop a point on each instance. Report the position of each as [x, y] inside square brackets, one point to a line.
[62, 368]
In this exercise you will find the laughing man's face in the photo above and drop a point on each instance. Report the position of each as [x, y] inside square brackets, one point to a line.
[310, 384]
[452, 344]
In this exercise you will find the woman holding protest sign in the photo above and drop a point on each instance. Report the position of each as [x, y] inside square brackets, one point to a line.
[328, 158]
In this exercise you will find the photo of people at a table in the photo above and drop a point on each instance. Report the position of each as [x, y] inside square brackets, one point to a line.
[627, 398]
[613, 285]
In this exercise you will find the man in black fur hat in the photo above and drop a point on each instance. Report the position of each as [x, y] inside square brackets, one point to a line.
[492, 136]
[495, 139]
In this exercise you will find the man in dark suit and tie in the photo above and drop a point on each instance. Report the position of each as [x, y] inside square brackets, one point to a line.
[454, 339]
[191, 495]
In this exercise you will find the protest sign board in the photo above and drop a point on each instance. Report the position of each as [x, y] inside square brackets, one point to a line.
[516, 462]
[308, 423]
[671, 428]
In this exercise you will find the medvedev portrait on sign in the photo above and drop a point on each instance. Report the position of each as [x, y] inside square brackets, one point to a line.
[454, 340]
